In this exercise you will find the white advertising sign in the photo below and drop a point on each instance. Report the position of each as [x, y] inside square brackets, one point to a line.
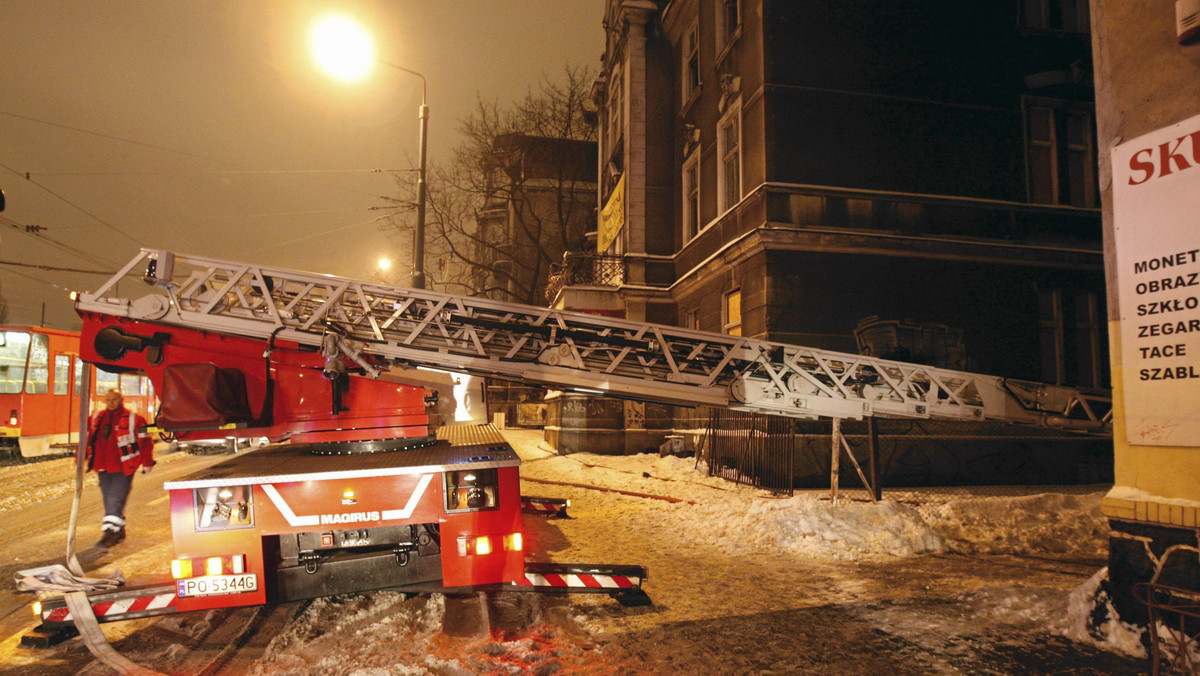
[1156, 215]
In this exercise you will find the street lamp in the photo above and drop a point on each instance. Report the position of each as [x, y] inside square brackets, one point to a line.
[344, 50]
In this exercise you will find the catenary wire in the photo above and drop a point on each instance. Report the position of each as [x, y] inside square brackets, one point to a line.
[99, 220]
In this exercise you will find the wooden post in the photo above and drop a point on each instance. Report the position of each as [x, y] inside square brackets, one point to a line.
[873, 437]
[834, 469]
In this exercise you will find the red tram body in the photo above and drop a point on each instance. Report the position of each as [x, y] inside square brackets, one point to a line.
[41, 387]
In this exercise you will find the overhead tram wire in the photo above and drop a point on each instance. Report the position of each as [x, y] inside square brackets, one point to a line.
[41, 281]
[61, 246]
[76, 252]
[221, 172]
[54, 268]
[99, 220]
[109, 137]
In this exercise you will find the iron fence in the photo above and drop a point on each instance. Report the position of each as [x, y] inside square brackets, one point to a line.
[750, 448]
[926, 464]
[585, 269]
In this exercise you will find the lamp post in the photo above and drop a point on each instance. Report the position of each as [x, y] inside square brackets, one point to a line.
[344, 50]
[417, 280]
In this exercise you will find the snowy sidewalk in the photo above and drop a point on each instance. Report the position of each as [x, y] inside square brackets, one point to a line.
[744, 582]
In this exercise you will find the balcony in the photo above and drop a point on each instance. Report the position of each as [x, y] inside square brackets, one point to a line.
[585, 269]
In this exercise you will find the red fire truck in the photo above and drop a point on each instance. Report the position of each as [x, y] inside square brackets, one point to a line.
[366, 493]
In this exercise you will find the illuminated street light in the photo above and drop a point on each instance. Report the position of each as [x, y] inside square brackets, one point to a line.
[384, 264]
[344, 50]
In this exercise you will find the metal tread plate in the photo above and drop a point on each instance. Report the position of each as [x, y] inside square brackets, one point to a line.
[459, 447]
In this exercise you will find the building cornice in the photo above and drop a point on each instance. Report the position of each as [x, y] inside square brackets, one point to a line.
[927, 197]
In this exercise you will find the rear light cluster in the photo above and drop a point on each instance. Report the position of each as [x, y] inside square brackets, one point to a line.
[211, 565]
[12, 418]
[486, 544]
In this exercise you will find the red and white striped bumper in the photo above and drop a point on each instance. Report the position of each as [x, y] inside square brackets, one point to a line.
[623, 583]
[122, 604]
[554, 507]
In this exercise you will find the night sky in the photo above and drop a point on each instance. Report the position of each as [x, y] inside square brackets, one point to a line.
[206, 128]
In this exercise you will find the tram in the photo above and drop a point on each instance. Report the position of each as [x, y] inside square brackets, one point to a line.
[41, 390]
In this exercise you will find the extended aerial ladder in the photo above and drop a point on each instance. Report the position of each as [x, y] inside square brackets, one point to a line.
[574, 351]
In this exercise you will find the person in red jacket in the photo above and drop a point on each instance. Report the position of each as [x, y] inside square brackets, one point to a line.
[117, 446]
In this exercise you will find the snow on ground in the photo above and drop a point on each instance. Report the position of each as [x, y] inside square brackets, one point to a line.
[740, 578]
[44, 480]
[35, 482]
[385, 633]
[719, 552]
[961, 520]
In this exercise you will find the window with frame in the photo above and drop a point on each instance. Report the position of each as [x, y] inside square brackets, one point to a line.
[729, 150]
[1089, 365]
[691, 196]
[62, 373]
[1070, 325]
[132, 384]
[106, 381]
[615, 109]
[1061, 154]
[14, 352]
[729, 20]
[1050, 321]
[691, 62]
[1070, 16]
[692, 320]
[38, 377]
[733, 313]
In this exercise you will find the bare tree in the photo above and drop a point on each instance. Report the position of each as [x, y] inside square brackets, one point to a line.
[517, 193]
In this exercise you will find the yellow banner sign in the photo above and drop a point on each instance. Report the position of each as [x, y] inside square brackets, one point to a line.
[612, 217]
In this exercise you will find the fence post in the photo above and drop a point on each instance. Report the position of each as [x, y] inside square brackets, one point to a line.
[834, 469]
[873, 437]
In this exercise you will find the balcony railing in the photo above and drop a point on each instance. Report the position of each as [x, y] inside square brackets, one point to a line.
[585, 269]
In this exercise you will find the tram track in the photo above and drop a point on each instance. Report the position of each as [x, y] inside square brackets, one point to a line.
[219, 642]
[235, 638]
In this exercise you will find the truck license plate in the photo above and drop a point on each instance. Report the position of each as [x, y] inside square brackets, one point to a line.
[217, 584]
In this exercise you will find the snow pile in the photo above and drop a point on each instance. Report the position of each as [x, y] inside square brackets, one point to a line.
[1091, 618]
[806, 526]
[1051, 523]
[717, 512]
[810, 525]
[1137, 494]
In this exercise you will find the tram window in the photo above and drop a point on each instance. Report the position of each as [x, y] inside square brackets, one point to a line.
[38, 381]
[62, 373]
[131, 384]
[79, 367]
[106, 381]
[13, 353]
